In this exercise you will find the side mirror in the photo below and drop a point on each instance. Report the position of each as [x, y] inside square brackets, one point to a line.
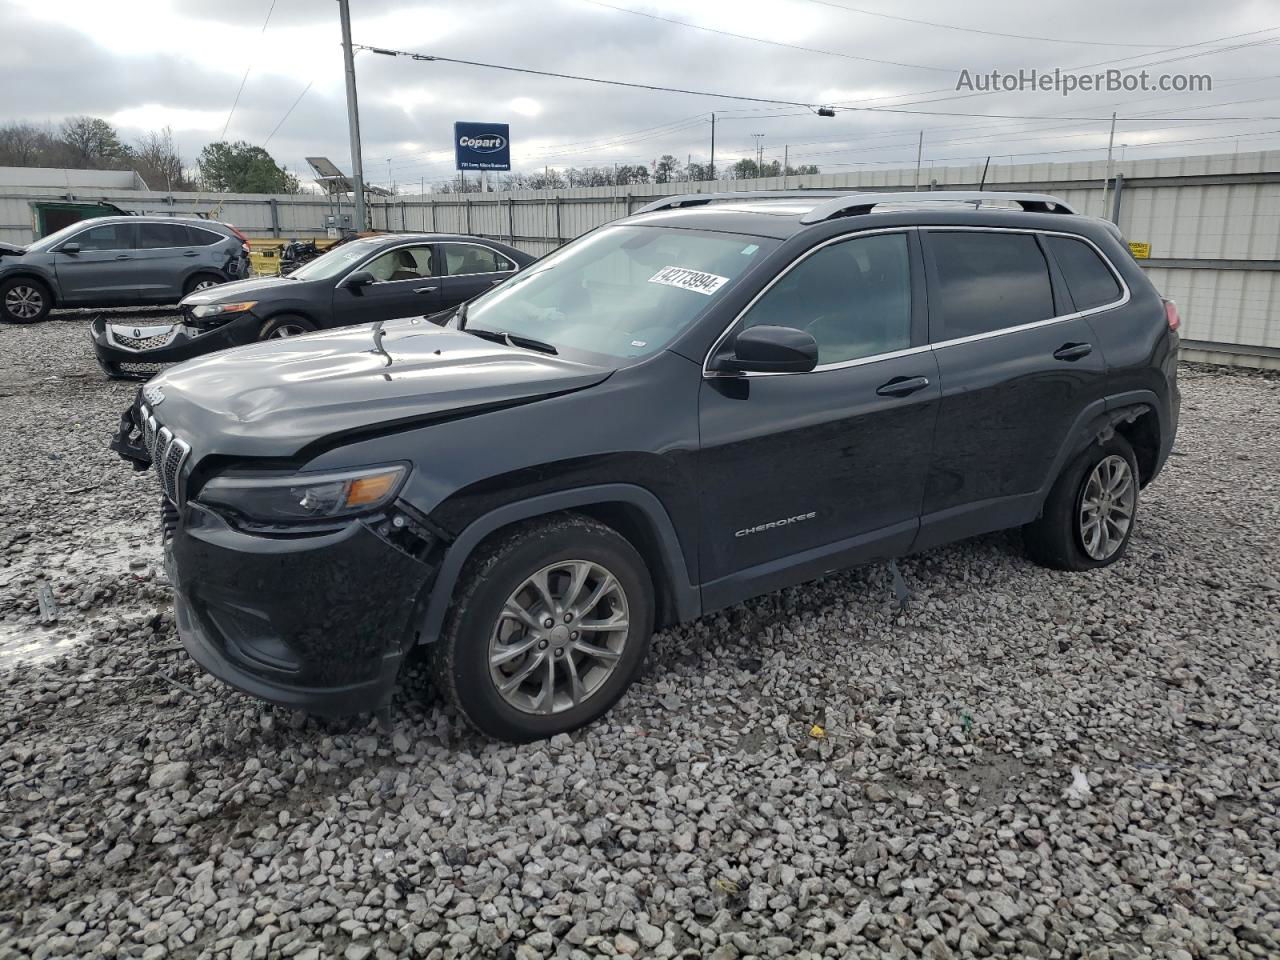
[770, 350]
[361, 278]
[69, 248]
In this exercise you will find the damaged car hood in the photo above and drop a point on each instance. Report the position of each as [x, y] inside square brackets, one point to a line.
[274, 398]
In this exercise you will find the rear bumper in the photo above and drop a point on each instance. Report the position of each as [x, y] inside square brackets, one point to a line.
[183, 343]
[319, 623]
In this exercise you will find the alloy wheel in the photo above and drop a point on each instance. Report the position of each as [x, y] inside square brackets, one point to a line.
[559, 637]
[24, 301]
[1107, 504]
[286, 330]
[204, 285]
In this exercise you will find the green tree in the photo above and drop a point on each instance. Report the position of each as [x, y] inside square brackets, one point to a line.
[92, 143]
[667, 170]
[243, 168]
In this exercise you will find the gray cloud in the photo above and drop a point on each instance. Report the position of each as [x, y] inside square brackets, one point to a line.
[57, 69]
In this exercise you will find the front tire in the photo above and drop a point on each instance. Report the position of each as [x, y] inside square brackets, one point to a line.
[1089, 514]
[550, 628]
[24, 300]
[285, 325]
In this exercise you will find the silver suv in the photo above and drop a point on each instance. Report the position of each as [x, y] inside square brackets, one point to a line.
[118, 262]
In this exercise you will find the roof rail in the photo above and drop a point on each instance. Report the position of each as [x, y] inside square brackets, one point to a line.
[853, 204]
[842, 203]
[698, 199]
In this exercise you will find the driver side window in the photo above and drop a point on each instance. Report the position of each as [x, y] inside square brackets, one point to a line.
[853, 297]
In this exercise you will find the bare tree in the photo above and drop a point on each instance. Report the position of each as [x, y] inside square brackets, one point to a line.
[158, 162]
[25, 145]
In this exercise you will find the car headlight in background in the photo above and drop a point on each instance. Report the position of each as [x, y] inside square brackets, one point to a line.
[305, 496]
[206, 310]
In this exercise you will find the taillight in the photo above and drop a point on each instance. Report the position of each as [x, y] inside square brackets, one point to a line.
[1171, 314]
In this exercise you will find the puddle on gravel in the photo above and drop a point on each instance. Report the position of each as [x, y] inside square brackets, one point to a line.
[112, 550]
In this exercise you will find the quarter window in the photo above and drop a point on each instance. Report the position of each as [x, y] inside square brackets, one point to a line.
[854, 297]
[463, 258]
[203, 238]
[108, 236]
[1090, 281]
[988, 281]
[152, 236]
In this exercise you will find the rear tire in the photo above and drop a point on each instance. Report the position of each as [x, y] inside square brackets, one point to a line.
[24, 300]
[285, 325]
[1090, 513]
[201, 281]
[509, 673]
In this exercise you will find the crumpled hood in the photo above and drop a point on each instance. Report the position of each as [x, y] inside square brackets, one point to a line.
[274, 398]
[11, 250]
[239, 289]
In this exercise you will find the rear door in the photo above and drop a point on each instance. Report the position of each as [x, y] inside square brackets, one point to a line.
[164, 255]
[1018, 367]
[808, 472]
[405, 285]
[468, 270]
[104, 270]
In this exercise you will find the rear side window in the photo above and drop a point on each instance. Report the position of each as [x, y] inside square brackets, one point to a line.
[988, 282]
[1091, 282]
[203, 238]
[153, 236]
[854, 297]
[464, 258]
[108, 236]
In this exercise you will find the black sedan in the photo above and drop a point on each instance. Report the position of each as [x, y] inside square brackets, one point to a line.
[375, 278]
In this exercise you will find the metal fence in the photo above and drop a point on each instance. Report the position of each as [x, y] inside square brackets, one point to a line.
[1211, 225]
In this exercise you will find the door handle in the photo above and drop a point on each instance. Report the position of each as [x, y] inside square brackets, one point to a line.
[902, 386]
[191, 253]
[424, 289]
[1073, 351]
[123, 256]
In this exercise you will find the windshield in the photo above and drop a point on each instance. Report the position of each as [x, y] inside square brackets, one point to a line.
[336, 260]
[622, 292]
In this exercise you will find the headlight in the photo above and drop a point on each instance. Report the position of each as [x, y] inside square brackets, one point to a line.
[219, 309]
[305, 496]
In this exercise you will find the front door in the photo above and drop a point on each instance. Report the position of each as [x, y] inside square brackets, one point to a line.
[1017, 370]
[469, 269]
[405, 285]
[805, 473]
[104, 269]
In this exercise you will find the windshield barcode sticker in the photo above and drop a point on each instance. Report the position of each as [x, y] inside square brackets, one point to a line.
[686, 279]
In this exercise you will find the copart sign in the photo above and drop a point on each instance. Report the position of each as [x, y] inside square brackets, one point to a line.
[482, 146]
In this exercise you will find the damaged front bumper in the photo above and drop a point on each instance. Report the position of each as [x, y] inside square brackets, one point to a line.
[139, 351]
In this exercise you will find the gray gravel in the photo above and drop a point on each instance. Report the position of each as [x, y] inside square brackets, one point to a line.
[1023, 763]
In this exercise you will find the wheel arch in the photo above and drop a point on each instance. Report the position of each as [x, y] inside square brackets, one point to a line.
[46, 281]
[634, 512]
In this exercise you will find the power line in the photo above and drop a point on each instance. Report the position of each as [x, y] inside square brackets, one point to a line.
[772, 43]
[286, 114]
[247, 68]
[988, 33]
[390, 52]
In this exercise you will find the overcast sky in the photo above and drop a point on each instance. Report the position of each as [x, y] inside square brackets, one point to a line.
[144, 64]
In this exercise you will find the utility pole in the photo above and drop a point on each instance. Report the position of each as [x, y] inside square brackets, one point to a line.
[353, 117]
[759, 151]
[390, 180]
[1106, 176]
[919, 156]
[712, 171]
[786, 152]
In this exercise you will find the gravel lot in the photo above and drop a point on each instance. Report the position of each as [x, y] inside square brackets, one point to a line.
[1022, 764]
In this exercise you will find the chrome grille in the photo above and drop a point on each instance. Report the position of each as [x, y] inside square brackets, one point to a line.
[168, 454]
[145, 343]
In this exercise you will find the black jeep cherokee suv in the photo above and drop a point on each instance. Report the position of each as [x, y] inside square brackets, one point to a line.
[715, 398]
